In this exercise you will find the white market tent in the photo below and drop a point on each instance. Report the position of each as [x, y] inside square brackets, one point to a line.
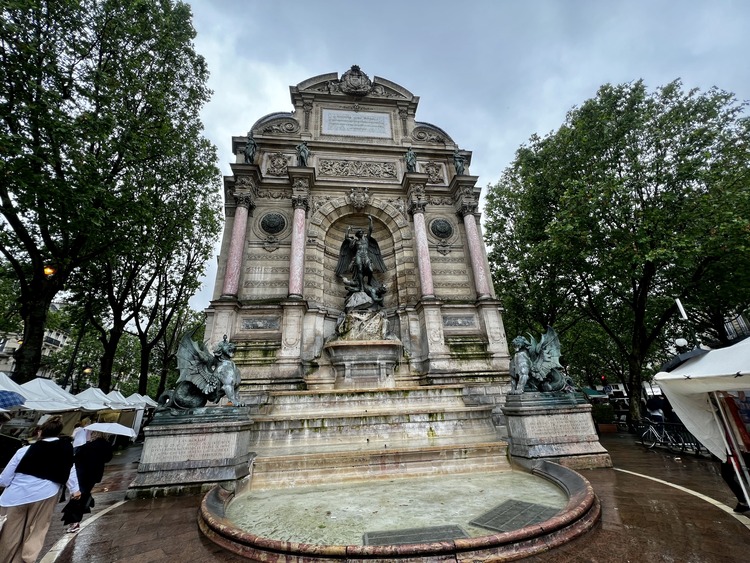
[138, 399]
[697, 387]
[50, 390]
[689, 388]
[94, 394]
[34, 400]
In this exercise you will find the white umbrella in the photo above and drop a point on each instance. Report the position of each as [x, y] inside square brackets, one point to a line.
[111, 428]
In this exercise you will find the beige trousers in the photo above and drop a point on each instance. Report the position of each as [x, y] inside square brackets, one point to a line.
[22, 537]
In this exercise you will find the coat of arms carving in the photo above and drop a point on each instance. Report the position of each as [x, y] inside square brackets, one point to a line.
[359, 198]
[355, 82]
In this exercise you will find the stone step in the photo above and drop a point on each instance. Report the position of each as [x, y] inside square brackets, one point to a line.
[347, 466]
[458, 424]
[334, 401]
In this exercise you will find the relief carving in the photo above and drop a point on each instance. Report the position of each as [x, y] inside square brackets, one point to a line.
[328, 167]
[434, 172]
[277, 164]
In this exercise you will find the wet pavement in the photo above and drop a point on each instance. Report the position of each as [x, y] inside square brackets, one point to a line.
[656, 507]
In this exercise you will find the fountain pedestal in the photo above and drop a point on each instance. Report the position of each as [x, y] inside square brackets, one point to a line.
[364, 364]
[556, 427]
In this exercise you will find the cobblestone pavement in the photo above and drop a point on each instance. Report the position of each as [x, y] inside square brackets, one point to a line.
[656, 507]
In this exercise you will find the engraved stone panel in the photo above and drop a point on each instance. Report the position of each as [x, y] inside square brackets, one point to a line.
[261, 323]
[356, 124]
[189, 447]
[459, 321]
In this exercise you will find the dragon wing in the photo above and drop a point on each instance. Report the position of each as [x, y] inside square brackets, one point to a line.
[375, 257]
[196, 363]
[345, 256]
[548, 353]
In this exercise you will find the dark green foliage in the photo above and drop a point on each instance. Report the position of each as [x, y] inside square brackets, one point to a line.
[100, 142]
[637, 199]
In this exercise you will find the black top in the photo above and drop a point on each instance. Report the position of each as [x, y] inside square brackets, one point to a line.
[49, 460]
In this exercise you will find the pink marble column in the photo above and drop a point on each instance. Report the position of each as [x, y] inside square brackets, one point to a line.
[481, 281]
[297, 259]
[236, 247]
[423, 253]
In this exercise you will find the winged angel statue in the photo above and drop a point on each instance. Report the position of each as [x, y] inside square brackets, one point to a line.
[204, 376]
[360, 256]
[536, 365]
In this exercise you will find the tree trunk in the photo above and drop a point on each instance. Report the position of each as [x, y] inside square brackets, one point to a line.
[143, 375]
[36, 298]
[108, 357]
[29, 355]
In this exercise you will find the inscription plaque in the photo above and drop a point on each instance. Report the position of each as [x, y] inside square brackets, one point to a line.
[356, 124]
[196, 447]
[559, 426]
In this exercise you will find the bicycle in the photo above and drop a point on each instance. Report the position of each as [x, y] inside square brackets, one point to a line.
[657, 433]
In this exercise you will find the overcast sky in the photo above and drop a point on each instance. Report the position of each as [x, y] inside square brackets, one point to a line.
[491, 73]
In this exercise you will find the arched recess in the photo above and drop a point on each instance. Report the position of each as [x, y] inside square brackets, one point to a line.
[326, 230]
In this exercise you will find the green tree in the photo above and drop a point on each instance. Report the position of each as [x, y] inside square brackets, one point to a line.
[637, 199]
[96, 99]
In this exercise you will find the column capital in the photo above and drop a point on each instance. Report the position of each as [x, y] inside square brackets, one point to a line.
[465, 194]
[302, 179]
[415, 186]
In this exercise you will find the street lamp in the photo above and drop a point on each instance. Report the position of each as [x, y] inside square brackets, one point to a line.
[49, 270]
[85, 371]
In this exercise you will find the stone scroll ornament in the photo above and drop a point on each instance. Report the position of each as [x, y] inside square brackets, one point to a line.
[204, 376]
[536, 365]
[360, 256]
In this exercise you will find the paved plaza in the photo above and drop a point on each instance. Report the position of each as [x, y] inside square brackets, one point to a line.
[655, 507]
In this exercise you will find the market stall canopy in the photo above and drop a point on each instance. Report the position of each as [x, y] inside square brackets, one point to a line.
[35, 401]
[50, 390]
[118, 401]
[138, 399]
[95, 395]
[688, 388]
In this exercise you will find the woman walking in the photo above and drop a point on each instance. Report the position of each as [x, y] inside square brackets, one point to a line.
[33, 478]
[89, 463]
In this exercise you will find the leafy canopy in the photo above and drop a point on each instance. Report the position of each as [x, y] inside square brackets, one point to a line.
[639, 198]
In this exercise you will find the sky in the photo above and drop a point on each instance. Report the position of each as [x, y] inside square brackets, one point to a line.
[491, 73]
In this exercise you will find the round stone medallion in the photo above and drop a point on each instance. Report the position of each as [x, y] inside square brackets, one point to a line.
[441, 228]
[273, 223]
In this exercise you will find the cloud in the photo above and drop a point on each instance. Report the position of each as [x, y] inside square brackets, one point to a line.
[489, 73]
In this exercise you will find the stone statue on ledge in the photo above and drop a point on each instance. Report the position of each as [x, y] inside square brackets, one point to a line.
[411, 160]
[250, 148]
[536, 365]
[204, 376]
[303, 154]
